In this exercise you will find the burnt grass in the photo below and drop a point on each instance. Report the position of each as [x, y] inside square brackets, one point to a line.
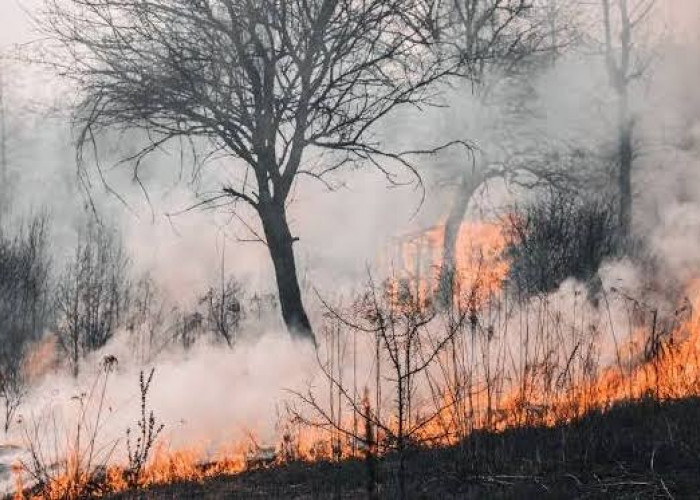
[642, 449]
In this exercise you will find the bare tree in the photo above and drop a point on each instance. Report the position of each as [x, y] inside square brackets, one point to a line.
[497, 33]
[287, 87]
[224, 304]
[92, 295]
[493, 36]
[24, 306]
[622, 21]
[410, 334]
[225, 309]
[147, 319]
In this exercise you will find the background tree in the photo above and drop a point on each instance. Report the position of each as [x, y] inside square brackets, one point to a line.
[15, 124]
[224, 305]
[92, 295]
[25, 306]
[147, 321]
[497, 33]
[225, 309]
[623, 21]
[506, 39]
[287, 87]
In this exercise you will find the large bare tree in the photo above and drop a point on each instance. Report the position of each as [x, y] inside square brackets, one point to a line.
[284, 87]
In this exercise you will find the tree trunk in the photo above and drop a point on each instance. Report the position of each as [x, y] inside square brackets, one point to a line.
[280, 243]
[400, 439]
[370, 449]
[625, 153]
[468, 185]
[619, 72]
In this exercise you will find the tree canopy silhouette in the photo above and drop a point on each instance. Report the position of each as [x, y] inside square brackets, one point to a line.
[290, 87]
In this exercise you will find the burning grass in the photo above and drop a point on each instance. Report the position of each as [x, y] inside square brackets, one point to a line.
[633, 450]
[403, 374]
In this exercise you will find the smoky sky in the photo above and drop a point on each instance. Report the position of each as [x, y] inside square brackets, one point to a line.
[339, 232]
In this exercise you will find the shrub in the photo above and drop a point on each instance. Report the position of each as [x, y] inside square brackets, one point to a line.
[147, 433]
[561, 236]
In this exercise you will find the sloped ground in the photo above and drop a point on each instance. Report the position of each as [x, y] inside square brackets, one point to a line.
[635, 450]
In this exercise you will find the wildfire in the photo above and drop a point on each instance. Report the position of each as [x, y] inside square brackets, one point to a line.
[650, 363]
[664, 364]
[479, 264]
[190, 464]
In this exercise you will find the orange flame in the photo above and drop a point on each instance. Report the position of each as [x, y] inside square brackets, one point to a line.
[479, 268]
[669, 369]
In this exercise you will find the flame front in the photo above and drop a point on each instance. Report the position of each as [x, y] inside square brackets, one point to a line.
[480, 267]
[498, 376]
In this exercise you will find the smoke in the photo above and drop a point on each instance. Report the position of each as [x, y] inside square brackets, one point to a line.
[212, 395]
[206, 398]
[571, 110]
